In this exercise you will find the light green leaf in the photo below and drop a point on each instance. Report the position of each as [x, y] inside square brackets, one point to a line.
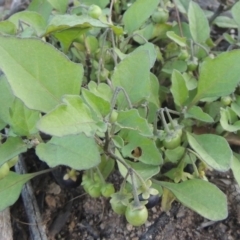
[215, 78]
[2, 124]
[75, 151]
[154, 96]
[130, 119]
[73, 116]
[100, 3]
[149, 152]
[179, 89]
[66, 37]
[236, 167]
[138, 13]
[200, 196]
[132, 74]
[11, 187]
[59, 5]
[99, 105]
[178, 65]
[213, 149]
[33, 19]
[235, 13]
[44, 82]
[144, 170]
[8, 27]
[198, 23]
[43, 7]
[23, 120]
[236, 108]
[225, 22]
[63, 22]
[11, 148]
[174, 155]
[151, 52]
[101, 90]
[196, 112]
[224, 120]
[182, 5]
[181, 41]
[6, 99]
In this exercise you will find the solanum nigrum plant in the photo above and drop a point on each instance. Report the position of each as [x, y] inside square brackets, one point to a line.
[121, 76]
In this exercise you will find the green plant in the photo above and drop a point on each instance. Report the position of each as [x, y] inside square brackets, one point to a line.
[136, 216]
[103, 96]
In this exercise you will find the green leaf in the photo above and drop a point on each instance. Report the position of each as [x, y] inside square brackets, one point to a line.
[11, 148]
[200, 196]
[6, 99]
[214, 150]
[101, 90]
[99, 105]
[23, 120]
[33, 19]
[100, 3]
[11, 187]
[151, 52]
[130, 119]
[76, 151]
[149, 152]
[182, 5]
[73, 116]
[236, 167]
[144, 170]
[177, 65]
[66, 37]
[132, 74]
[181, 41]
[47, 80]
[179, 89]
[2, 124]
[8, 27]
[43, 7]
[216, 80]
[106, 166]
[225, 22]
[236, 108]
[196, 112]
[138, 13]
[198, 23]
[235, 13]
[59, 5]
[174, 155]
[224, 120]
[63, 22]
[154, 96]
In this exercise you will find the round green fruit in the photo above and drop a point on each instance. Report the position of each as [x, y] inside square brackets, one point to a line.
[95, 190]
[183, 55]
[160, 16]
[192, 65]
[136, 216]
[226, 101]
[172, 141]
[113, 117]
[118, 207]
[95, 11]
[107, 190]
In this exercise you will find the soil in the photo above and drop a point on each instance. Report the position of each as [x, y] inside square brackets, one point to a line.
[69, 213]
